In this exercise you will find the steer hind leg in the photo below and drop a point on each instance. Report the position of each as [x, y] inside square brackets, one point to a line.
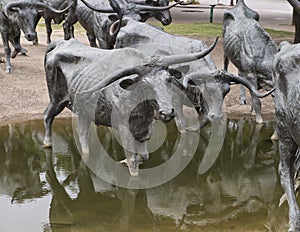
[256, 104]
[288, 148]
[51, 111]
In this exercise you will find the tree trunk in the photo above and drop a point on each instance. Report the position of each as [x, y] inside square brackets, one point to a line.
[296, 22]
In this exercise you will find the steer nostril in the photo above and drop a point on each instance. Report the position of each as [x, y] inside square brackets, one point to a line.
[31, 37]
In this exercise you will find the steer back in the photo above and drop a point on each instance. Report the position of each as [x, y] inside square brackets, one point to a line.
[85, 80]
[287, 97]
[246, 43]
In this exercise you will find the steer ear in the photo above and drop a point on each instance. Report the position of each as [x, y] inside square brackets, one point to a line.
[128, 83]
[175, 73]
[115, 27]
[113, 17]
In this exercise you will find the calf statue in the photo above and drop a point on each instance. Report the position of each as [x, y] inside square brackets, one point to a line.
[286, 76]
[250, 48]
[92, 83]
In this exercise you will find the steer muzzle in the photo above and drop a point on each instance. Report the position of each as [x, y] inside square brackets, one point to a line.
[31, 36]
[166, 115]
[166, 21]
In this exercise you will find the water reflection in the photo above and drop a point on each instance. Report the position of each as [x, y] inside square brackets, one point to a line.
[239, 192]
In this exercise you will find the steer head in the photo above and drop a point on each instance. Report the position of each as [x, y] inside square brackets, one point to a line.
[207, 92]
[25, 14]
[155, 86]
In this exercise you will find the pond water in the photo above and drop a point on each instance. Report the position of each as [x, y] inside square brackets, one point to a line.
[53, 189]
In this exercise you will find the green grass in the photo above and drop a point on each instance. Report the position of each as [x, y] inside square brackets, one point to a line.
[193, 29]
[211, 30]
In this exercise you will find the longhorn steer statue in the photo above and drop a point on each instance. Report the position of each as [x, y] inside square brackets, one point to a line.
[287, 96]
[250, 48]
[16, 16]
[79, 77]
[97, 24]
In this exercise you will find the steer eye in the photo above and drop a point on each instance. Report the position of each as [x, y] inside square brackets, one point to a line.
[169, 79]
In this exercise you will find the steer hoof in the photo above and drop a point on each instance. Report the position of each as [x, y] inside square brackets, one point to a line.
[133, 170]
[259, 120]
[243, 102]
[8, 70]
[47, 143]
[24, 52]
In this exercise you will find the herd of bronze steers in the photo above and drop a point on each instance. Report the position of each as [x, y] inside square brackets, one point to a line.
[82, 77]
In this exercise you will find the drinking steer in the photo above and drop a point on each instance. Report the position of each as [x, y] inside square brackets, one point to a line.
[287, 97]
[103, 86]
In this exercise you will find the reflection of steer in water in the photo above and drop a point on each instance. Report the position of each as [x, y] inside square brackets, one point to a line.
[79, 78]
[287, 108]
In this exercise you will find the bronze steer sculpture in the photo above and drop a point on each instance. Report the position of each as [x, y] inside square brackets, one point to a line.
[91, 83]
[287, 97]
[16, 16]
[250, 48]
[97, 24]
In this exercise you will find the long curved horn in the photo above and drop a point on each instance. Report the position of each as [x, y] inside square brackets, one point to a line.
[100, 10]
[43, 5]
[237, 79]
[114, 77]
[177, 59]
[295, 4]
[228, 77]
[156, 8]
[8, 7]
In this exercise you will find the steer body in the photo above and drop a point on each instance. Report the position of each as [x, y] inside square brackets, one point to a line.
[287, 109]
[250, 48]
[99, 88]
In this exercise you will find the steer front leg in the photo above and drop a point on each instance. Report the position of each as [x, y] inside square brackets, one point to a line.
[51, 111]
[7, 51]
[287, 149]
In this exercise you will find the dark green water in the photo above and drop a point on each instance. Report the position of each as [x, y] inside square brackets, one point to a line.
[52, 190]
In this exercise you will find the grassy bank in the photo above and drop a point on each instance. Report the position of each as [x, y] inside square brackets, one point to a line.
[192, 29]
[212, 29]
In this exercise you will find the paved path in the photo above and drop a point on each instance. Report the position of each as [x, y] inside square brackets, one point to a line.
[276, 14]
